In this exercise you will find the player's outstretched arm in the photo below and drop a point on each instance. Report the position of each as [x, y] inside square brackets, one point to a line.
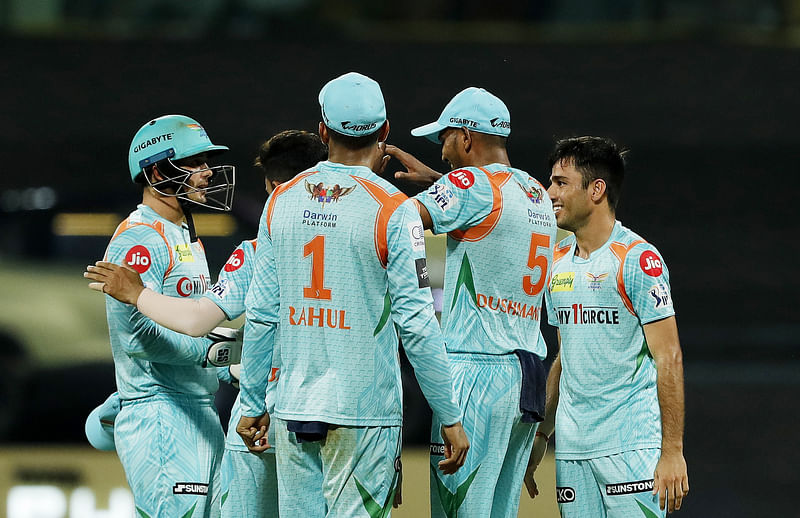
[416, 171]
[671, 476]
[545, 430]
[193, 317]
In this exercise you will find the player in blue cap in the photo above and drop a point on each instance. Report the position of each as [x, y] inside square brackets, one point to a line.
[617, 382]
[249, 483]
[500, 234]
[167, 433]
[338, 268]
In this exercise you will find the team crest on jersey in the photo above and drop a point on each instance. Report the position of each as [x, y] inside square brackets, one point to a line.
[563, 281]
[660, 294]
[534, 194]
[184, 253]
[595, 281]
[327, 194]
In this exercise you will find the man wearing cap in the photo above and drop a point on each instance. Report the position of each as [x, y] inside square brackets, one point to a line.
[167, 434]
[339, 270]
[500, 235]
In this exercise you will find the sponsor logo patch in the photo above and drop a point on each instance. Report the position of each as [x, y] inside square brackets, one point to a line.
[220, 289]
[155, 140]
[235, 261]
[189, 488]
[462, 178]
[437, 449]
[534, 194]
[442, 196]
[458, 121]
[138, 258]
[629, 488]
[660, 294]
[326, 193]
[565, 495]
[184, 253]
[595, 281]
[563, 281]
[422, 273]
[580, 314]
[651, 264]
[497, 123]
[358, 127]
[196, 285]
[417, 234]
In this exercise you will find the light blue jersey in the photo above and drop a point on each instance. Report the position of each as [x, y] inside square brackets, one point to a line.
[608, 401]
[341, 267]
[148, 358]
[500, 236]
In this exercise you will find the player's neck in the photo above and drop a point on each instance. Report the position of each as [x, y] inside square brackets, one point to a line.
[165, 206]
[360, 157]
[594, 233]
[483, 157]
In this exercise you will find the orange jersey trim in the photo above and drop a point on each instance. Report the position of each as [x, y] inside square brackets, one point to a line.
[158, 226]
[484, 228]
[621, 251]
[387, 204]
[285, 186]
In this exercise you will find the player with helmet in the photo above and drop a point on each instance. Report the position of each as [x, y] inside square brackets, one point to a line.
[249, 485]
[167, 433]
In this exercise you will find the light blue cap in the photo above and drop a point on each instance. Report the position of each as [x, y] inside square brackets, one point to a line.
[170, 136]
[99, 426]
[472, 108]
[352, 104]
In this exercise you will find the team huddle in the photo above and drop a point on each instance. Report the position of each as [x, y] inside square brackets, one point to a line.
[337, 280]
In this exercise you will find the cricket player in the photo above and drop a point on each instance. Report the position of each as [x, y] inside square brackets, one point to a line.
[339, 275]
[500, 235]
[167, 433]
[249, 485]
[618, 379]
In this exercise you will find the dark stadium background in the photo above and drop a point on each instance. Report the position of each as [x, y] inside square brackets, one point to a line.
[704, 95]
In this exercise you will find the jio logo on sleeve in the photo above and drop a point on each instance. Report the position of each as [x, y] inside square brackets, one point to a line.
[235, 261]
[138, 258]
[651, 264]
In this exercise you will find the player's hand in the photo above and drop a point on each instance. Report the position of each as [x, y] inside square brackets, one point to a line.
[456, 446]
[398, 492]
[121, 282]
[225, 348]
[381, 159]
[671, 481]
[537, 453]
[416, 171]
[253, 431]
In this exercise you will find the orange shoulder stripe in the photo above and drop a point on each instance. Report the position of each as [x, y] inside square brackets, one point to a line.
[484, 228]
[158, 226]
[387, 204]
[280, 190]
[560, 252]
[621, 251]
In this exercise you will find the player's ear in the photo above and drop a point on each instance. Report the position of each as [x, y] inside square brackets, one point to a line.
[384, 132]
[323, 133]
[466, 139]
[598, 189]
[156, 174]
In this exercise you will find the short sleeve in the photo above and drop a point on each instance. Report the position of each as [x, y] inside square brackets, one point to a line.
[646, 281]
[458, 200]
[552, 315]
[230, 290]
[145, 250]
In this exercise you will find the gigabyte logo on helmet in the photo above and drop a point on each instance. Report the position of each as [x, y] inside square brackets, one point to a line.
[149, 142]
[358, 127]
[463, 122]
[497, 123]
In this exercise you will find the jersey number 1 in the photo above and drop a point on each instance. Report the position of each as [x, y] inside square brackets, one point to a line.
[316, 249]
[536, 261]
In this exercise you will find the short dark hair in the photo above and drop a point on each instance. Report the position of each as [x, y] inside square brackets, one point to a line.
[289, 152]
[354, 143]
[595, 158]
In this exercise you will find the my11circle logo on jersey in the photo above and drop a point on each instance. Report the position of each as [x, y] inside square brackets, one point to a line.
[651, 264]
[138, 258]
[462, 178]
[235, 261]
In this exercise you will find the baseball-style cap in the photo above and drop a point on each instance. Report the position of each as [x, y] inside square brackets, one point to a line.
[472, 108]
[170, 136]
[352, 104]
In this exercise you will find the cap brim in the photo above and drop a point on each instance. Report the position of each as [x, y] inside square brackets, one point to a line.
[429, 131]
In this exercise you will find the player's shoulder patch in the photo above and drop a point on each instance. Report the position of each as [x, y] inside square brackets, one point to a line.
[462, 178]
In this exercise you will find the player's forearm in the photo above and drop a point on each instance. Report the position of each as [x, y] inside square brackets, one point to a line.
[154, 343]
[671, 400]
[259, 342]
[193, 317]
[551, 399]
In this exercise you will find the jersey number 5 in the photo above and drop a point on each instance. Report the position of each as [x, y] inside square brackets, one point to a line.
[536, 261]
[316, 249]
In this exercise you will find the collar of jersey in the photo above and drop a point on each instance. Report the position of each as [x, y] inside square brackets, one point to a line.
[349, 169]
[149, 212]
[614, 232]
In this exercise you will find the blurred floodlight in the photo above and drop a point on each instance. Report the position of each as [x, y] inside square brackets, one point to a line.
[32, 198]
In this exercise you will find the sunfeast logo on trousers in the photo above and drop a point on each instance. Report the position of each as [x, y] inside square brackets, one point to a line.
[628, 488]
